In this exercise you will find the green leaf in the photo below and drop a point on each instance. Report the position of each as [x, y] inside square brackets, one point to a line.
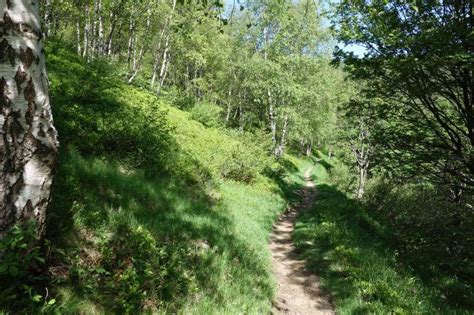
[36, 298]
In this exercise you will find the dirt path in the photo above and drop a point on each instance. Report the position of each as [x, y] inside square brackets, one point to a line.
[299, 291]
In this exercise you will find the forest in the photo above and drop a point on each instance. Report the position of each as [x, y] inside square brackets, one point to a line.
[236, 157]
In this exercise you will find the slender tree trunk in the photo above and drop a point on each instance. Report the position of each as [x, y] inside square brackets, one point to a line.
[155, 69]
[165, 60]
[93, 41]
[273, 123]
[137, 65]
[309, 148]
[78, 38]
[362, 181]
[113, 23]
[28, 139]
[281, 147]
[164, 65]
[100, 39]
[163, 72]
[158, 54]
[47, 18]
[86, 31]
[131, 37]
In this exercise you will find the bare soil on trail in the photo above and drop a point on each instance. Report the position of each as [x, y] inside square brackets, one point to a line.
[299, 291]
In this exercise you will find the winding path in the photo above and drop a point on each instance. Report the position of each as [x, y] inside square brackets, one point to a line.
[299, 291]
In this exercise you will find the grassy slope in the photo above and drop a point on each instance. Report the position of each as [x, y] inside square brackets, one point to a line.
[350, 252]
[171, 233]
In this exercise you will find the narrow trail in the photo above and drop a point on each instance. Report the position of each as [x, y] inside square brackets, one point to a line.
[299, 291]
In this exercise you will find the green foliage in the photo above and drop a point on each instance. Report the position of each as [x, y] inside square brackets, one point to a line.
[431, 234]
[419, 64]
[208, 114]
[342, 176]
[219, 153]
[22, 266]
[116, 120]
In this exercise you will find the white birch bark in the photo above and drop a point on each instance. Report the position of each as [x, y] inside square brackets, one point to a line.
[281, 147]
[78, 38]
[100, 36]
[47, 18]
[86, 31]
[28, 139]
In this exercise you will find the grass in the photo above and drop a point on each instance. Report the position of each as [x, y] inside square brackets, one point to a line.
[226, 236]
[354, 256]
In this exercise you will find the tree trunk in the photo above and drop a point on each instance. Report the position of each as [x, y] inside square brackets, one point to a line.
[100, 40]
[28, 139]
[164, 66]
[309, 148]
[362, 181]
[273, 124]
[78, 38]
[137, 65]
[113, 23]
[86, 31]
[158, 55]
[131, 37]
[93, 40]
[47, 18]
[281, 147]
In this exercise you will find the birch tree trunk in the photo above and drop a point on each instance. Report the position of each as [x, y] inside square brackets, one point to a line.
[137, 64]
[362, 181]
[86, 31]
[273, 123]
[281, 147]
[108, 44]
[28, 139]
[100, 38]
[78, 38]
[47, 18]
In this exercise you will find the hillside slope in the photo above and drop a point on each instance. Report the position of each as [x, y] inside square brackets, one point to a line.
[151, 210]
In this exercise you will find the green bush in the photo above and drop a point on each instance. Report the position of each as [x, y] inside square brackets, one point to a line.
[342, 176]
[208, 114]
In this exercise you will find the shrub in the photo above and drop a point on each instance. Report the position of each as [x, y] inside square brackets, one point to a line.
[343, 178]
[208, 114]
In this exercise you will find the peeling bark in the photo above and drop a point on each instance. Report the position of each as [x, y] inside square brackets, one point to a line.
[28, 139]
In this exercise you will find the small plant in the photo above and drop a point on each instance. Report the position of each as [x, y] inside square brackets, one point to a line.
[21, 266]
